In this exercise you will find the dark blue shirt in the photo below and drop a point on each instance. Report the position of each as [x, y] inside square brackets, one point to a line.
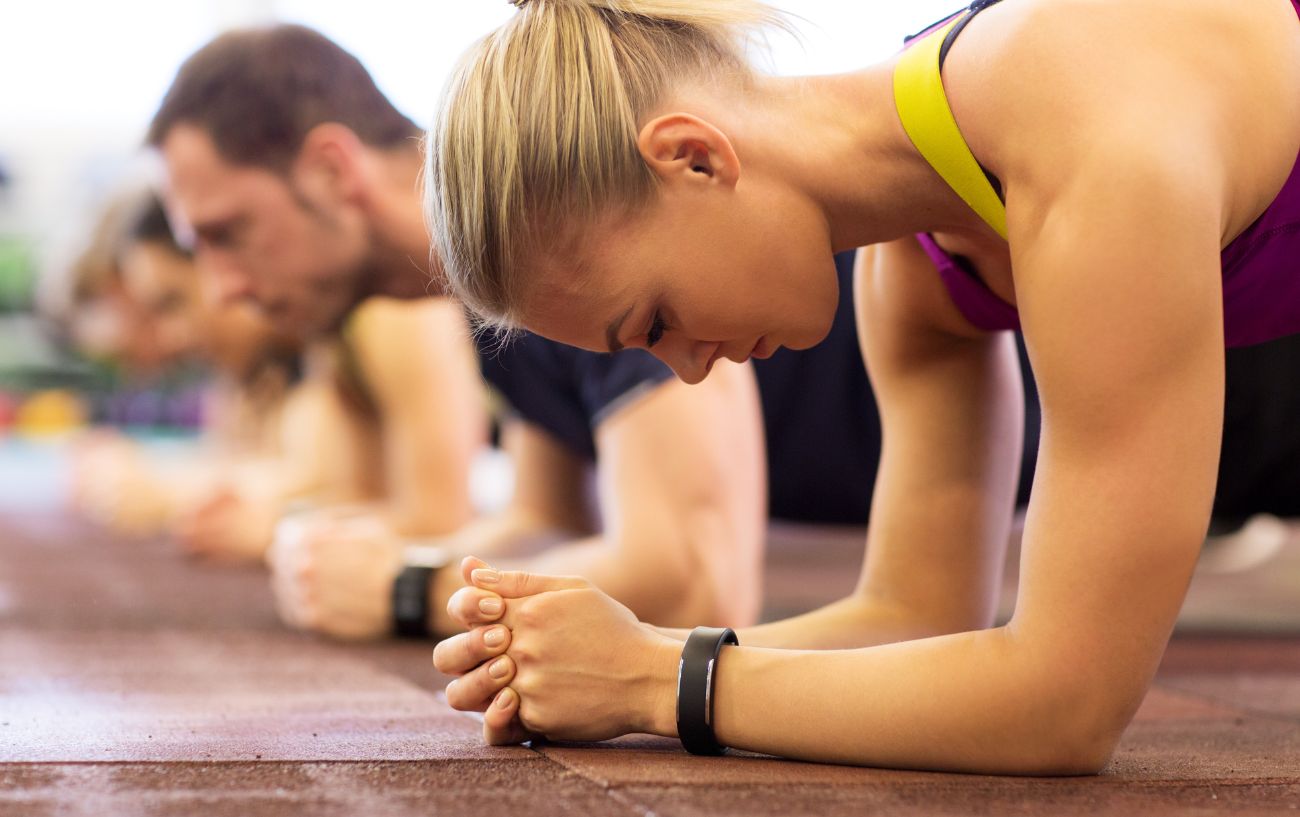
[566, 391]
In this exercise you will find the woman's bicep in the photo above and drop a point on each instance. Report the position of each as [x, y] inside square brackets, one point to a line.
[1121, 300]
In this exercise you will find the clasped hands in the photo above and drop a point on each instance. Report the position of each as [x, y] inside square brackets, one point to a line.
[554, 657]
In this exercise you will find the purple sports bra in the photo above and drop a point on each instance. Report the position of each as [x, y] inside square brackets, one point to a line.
[1261, 276]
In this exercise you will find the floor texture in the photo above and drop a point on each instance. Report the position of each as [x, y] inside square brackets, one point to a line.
[133, 682]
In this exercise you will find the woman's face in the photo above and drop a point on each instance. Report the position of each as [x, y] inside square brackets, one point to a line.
[185, 314]
[703, 272]
[164, 286]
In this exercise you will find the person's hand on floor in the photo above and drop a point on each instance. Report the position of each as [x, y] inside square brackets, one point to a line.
[477, 660]
[113, 485]
[228, 526]
[333, 574]
[581, 666]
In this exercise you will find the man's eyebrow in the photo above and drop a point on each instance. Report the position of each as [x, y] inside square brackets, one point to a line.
[219, 223]
[611, 332]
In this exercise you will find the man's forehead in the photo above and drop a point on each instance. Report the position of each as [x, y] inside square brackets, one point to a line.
[201, 180]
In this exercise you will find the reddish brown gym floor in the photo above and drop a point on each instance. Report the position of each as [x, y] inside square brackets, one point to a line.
[134, 682]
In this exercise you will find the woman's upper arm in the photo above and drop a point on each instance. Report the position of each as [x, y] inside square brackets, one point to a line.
[1118, 281]
[951, 410]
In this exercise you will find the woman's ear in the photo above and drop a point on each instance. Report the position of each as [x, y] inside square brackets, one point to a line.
[680, 147]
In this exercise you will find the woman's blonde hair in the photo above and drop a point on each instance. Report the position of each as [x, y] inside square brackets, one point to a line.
[539, 123]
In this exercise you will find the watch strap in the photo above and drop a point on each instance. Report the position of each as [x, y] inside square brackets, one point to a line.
[411, 601]
[695, 681]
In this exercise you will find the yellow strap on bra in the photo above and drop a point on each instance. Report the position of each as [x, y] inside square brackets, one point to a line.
[928, 120]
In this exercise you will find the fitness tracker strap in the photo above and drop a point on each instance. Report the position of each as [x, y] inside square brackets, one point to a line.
[411, 601]
[695, 678]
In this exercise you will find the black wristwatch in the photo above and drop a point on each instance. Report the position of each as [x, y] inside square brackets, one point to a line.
[695, 682]
[411, 601]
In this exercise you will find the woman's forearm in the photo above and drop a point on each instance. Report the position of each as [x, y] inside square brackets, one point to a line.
[849, 623]
[972, 702]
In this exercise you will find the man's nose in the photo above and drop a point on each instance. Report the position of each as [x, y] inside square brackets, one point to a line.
[231, 283]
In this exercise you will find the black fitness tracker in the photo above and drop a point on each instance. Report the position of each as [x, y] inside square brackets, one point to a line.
[695, 679]
[411, 601]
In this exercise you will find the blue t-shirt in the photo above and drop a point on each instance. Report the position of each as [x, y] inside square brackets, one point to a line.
[823, 433]
[565, 391]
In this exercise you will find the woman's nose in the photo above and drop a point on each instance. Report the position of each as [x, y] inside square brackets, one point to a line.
[689, 359]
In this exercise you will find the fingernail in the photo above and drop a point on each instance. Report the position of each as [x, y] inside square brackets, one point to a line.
[504, 698]
[500, 668]
[495, 637]
[491, 607]
[485, 575]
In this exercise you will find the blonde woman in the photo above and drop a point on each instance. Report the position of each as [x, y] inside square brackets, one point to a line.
[1116, 177]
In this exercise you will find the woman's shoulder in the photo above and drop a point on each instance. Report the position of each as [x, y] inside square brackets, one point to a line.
[1108, 48]
[1048, 81]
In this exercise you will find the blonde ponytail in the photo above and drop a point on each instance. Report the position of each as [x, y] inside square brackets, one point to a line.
[537, 128]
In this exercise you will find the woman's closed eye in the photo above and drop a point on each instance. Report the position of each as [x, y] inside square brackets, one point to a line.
[656, 333]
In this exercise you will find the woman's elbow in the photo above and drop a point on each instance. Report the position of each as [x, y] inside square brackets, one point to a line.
[1084, 726]
[1072, 756]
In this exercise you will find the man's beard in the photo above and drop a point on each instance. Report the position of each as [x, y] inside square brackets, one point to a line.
[359, 286]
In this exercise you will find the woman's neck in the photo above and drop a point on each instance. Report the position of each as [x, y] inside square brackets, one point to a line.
[837, 139]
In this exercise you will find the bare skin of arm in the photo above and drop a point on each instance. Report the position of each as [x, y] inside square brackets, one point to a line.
[551, 499]
[671, 520]
[327, 455]
[682, 481]
[1116, 236]
[419, 367]
[410, 464]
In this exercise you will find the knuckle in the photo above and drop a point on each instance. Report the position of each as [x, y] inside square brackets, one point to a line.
[521, 583]
[528, 613]
[525, 683]
[534, 718]
[521, 652]
[457, 658]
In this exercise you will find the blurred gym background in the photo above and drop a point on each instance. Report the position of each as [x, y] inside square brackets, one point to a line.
[81, 81]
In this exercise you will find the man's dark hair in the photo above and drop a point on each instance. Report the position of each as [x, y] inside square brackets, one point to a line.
[258, 92]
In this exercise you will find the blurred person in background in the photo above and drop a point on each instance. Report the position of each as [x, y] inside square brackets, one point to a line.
[284, 425]
[296, 180]
[137, 303]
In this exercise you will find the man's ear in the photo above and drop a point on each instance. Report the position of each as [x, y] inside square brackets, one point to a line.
[330, 163]
[681, 147]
